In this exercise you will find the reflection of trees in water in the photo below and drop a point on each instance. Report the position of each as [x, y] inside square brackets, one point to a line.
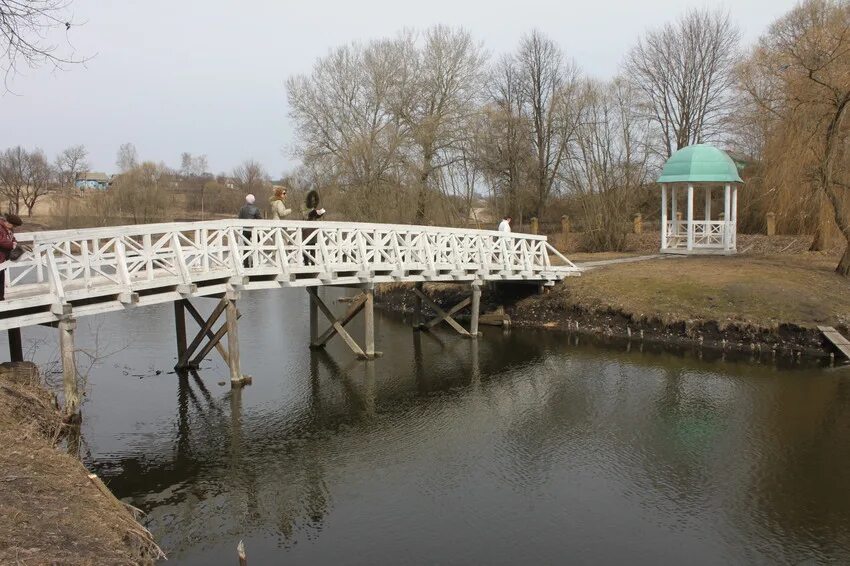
[651, 421]
[799, 482]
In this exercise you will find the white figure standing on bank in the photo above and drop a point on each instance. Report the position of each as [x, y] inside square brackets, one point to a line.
[505, 224]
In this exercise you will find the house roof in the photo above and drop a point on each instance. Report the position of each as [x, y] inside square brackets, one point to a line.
[700, 163]
[93, 176]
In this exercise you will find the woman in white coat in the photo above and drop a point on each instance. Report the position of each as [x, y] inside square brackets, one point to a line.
[279, 210]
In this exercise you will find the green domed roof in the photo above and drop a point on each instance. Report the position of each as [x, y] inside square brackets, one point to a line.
[700, 163]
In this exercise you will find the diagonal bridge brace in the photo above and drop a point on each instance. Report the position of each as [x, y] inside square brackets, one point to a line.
[473, 301]
[364, 302]
[190, 356]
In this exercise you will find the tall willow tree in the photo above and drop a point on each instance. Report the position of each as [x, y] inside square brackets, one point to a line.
[800, 75]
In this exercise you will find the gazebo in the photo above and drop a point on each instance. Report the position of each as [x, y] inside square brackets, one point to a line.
[704, 167]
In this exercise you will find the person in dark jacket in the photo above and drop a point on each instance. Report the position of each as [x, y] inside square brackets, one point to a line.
[249, 211]
[8, 223]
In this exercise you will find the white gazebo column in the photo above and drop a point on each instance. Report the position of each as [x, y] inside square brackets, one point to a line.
[734, 233]
[673, 216]
[663, 217]
[727, 218]
[690, 217]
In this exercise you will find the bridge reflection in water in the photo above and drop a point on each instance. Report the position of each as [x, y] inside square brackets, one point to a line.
[503, 442]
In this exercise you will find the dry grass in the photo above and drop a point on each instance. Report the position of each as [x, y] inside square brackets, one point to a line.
[51, 512]
[761, 291]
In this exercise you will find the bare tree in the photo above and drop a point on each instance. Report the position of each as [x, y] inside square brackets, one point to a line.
[503, 138]
[345, 123]
[609, 162]
[798, 74]
[13, 176]
[68, 164]
[39, 179]
[435, 100]
[251, 176]
[193, 165]
[140, 193]
[127, 158]
[547, 84]
[459, 181]
[29, 32]
[684, 72]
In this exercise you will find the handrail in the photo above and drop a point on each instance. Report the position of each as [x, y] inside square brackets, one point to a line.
[112, 264]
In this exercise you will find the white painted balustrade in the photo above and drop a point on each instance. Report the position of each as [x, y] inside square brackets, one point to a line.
[88, 271]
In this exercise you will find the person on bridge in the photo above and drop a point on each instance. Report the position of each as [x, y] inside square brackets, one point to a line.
[505, 224]
[279, 210]
[249, 211]
[311, 210]
[8, 223]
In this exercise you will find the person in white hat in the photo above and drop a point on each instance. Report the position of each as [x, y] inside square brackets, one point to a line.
[249, 211]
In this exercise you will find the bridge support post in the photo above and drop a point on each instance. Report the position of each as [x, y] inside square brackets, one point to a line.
[232, 325]
[417, 305]
[472, 301]
[369, 319]
[69, 368]
[363, 302]
[191, 356]
[314, 317]
[180, 326]
[475, 308]
[16, 347]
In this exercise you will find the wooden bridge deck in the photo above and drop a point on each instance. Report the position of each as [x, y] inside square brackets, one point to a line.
[73, 273]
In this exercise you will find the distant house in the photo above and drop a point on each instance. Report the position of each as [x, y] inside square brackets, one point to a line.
[92, 180]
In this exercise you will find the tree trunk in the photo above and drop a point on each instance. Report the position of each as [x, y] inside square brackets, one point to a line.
[421, 196]
[821, 239]
[843, 268]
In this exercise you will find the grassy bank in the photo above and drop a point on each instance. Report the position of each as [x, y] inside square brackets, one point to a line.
[52, 511]
[764, 303]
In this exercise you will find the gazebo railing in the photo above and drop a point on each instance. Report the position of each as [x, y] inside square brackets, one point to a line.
[707, 234]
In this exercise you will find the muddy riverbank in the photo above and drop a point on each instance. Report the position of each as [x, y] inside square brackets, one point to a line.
[566, 308]
[52, 510]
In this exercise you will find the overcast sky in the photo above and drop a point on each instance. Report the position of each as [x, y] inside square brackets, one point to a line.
[207, 76]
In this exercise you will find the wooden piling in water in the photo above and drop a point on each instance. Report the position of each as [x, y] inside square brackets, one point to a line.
[314, 316]
[417, 306]
[232, 322]
[16, 347]
[69, 367]
[180, 327]
[475, 307]
[369, 319]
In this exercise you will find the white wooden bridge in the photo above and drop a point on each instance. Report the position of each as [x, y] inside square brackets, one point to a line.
[68, 274]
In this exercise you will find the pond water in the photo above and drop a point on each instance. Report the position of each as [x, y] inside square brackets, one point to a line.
[522, 447]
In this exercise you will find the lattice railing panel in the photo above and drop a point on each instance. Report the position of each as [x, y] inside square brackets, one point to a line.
[102, 257]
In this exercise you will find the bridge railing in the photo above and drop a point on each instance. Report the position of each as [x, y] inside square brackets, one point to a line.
[73, 264]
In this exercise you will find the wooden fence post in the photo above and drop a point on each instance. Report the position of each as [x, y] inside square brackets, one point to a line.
[638, 224]
[565, 226]
[771, 224]
[535, 225]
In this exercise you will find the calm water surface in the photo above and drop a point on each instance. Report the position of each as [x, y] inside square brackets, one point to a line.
[523, 448]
